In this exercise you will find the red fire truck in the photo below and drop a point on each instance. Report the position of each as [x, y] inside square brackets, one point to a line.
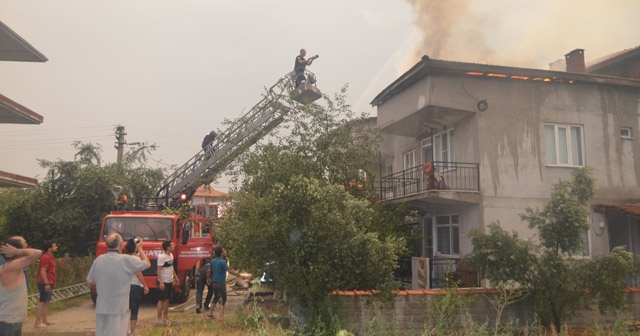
[193, 236]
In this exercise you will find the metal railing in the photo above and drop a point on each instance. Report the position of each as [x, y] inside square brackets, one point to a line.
[59, 294]
[456, 176]
[440, 269]
[443, 269]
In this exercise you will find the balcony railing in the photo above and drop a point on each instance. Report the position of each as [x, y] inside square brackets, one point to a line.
[440, 270]
[431, 176]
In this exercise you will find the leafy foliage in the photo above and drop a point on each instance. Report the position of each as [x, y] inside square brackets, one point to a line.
[306, 209]
[69, 204]
[558, 283]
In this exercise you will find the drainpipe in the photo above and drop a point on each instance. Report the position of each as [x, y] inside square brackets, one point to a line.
[380, 171]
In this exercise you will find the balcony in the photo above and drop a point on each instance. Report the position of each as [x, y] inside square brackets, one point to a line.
[431, 177]
[439, 271]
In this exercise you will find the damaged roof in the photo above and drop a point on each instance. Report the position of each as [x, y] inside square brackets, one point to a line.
[428, 66]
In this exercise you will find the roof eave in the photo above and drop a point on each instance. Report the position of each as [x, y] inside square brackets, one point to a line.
[428, 66]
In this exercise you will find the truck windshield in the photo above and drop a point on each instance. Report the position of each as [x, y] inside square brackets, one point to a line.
[146, 228]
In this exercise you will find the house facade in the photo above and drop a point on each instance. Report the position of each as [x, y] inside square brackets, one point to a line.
[470, 144]
[209, 202]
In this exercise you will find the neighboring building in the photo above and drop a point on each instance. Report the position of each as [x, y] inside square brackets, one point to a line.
[209, 202]
[470, 144]
[14, 48]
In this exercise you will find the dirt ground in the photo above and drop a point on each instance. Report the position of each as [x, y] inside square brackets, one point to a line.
[80, 319]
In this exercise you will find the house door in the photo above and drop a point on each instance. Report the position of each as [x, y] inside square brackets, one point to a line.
[624, 230]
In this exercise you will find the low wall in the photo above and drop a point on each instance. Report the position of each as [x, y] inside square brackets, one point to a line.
[408, 313]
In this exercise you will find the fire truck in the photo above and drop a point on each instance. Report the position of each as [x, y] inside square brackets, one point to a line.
[193, 235]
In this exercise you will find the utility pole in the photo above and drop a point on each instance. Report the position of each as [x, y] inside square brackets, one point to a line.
[121, 142]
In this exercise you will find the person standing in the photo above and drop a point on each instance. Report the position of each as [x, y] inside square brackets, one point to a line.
[138, 287]
[166, 277]
[201, 282]
[13, 284]
[301, 65]
[46, 282]
[218, 276]
[111, 274]
[208, 139]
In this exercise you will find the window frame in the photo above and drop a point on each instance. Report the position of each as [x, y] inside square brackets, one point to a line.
[405, 156]
[439, 152]
[426, 144]
[628, 131]
[454, 235]
[563, 145]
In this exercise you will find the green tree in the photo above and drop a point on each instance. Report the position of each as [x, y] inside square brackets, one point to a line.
[557, 283]
[68, 205]
[306, 209]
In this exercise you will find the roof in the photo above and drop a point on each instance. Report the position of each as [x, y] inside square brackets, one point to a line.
[631, 209]
[9, 180]
[207, 191]
[15, 48]
[427, 66]
[612, 59]
[14, 113]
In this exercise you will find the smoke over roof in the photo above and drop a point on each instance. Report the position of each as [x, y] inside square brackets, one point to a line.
[529, 33]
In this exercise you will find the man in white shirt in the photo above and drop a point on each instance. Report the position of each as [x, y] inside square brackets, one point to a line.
[111, 274]
[166, 275]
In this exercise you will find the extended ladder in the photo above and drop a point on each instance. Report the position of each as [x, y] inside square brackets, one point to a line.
[60, 294]
[207, 164]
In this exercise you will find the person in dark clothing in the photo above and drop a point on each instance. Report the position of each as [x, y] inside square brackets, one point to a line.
[208, 139]
[300, 65]
[201, 282]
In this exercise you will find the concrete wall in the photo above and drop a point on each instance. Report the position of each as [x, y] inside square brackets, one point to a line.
[408, 312]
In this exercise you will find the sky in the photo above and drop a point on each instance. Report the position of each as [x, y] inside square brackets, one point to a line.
[169, 71]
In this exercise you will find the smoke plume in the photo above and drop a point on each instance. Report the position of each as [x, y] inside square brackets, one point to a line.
[523, 33]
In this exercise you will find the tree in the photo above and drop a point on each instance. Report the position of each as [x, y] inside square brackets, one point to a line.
[306, 209]
[557, 283]
[68, 205]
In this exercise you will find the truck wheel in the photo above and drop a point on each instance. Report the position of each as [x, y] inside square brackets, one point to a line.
[185, 288]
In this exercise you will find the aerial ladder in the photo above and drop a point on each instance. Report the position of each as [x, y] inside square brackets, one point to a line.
[204, 167]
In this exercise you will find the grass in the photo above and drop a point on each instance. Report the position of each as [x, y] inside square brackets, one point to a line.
[250, 319]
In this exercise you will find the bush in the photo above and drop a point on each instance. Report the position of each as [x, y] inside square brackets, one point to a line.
[69, 271]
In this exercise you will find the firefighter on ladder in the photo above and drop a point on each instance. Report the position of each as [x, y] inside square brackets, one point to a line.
[300, 65]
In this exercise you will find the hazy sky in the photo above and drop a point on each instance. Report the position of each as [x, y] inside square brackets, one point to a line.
[171, 70]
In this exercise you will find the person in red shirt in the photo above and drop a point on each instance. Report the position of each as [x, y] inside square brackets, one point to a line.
[46, 282]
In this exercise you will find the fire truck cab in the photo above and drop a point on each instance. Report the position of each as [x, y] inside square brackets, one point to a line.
[193, 239]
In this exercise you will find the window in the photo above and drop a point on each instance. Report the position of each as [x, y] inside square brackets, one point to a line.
[625, 133]
[584, 250]
[443, 147]
[563, 145]
[409, 159]
[410, 172]
[447, 238]
[427, 150]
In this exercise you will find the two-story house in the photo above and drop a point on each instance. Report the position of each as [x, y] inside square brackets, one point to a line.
[469, 144]
[14, 48]
[209, 202]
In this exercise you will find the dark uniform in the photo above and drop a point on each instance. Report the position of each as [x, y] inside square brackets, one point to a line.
[201, 281]
[298, 68]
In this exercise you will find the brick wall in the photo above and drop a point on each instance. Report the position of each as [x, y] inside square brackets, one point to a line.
[407, 314]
